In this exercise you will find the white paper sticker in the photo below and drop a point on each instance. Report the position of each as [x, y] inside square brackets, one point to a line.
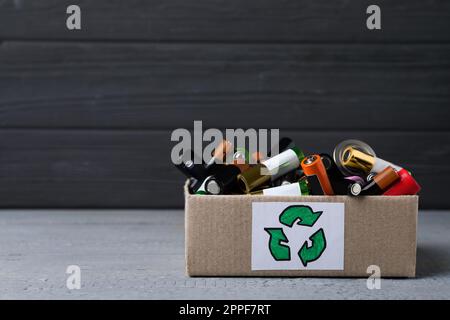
[292, 189]
[297, 236]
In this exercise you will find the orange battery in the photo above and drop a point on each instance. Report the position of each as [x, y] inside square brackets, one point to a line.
[220, 153]
[313, 166]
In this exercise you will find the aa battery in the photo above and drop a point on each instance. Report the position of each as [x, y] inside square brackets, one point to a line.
[252, 178]
[293, 189]
[339, 151]
[406, 186]
[220, 153]
[313, 182]
[223, 181]
[270, 169]
[314, 186]
[339, 182]
[282, 163]
[358, 160]
[378, 185]
[313, 167]
[354, 169]
[192, 166]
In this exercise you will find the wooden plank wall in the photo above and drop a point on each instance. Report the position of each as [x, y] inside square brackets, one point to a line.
[86, 116]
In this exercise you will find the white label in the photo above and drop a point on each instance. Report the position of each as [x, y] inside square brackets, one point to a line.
[281, 164]
[297, 236]
[292, 189]
[381, 164]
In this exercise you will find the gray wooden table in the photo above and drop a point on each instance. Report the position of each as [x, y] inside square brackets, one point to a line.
[127, 254]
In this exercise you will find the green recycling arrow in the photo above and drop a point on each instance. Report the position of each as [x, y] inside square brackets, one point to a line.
[305, 214]
[310, 254]
[279, 252]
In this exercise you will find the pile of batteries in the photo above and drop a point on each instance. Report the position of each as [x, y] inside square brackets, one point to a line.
[353, 170]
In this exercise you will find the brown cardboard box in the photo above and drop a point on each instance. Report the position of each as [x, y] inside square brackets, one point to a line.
[377, 230]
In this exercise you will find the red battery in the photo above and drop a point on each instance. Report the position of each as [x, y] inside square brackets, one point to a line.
[406, 186]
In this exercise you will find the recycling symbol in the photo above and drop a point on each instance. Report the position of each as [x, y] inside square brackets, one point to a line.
[306, 217]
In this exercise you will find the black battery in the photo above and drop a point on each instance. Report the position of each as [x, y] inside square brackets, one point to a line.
[223, 180]
[192, 166]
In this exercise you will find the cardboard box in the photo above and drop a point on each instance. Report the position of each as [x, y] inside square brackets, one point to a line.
[358, 231]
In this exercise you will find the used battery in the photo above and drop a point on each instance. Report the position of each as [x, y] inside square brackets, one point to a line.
[379, 183]
[192, 166]
[353, 158]
[356, 157]
[406, 186]
[270, 169]
[314, 167]
[338, 181]
[223, 181]
[220, 153]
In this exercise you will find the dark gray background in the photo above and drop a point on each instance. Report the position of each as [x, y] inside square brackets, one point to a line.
[86, 116]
